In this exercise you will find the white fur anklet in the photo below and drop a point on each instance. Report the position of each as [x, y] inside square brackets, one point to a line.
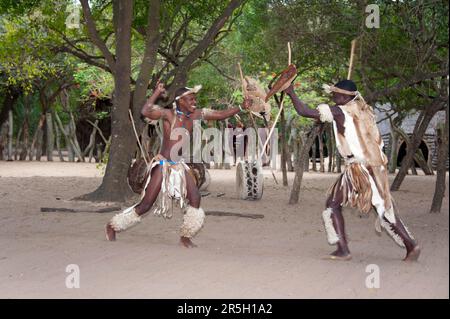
[332, 236]
[122, 221]
[193, 220]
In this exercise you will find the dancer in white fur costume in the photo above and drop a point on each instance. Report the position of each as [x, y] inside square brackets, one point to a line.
[169, 180]
[364, 182]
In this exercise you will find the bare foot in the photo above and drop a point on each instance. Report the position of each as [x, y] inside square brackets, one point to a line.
[413, 255]
[110, 233]
[186, 242]
[338, 255]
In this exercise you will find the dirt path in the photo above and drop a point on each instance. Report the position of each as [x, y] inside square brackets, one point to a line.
[274, 257]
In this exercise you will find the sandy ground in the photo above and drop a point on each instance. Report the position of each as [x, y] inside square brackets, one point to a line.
[278, 256]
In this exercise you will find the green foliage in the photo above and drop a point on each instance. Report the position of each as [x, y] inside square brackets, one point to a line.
[412, 40]
[24, 54]
[92, 81]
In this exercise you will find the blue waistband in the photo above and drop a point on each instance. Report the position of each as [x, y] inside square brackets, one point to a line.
[161, 162]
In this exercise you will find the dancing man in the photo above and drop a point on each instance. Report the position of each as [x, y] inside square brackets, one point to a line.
[167, 179]
[364, 182]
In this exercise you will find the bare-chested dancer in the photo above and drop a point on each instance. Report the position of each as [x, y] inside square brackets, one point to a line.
[169, 179]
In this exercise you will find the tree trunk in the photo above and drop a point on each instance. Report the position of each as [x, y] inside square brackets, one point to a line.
[330, 146]
[422, 162]
[10, 135]
[39, 144]
[306, 162]
[152, 41]
[413, 169]
[58, 139]
[308, 142]
[10, 99]
[290, 164]
[114, 186]
[394, 152]
[70, 151]
[88, 151]
[50, 136]
[283, 148]
[439, 191]
[419, 130]
[322, 165]
[26, 136]
[290, 145]
[3, 139]
[313, 156]
[33, 148]
[296, 146]
[418, 156]
[71, 139]
[17, 148]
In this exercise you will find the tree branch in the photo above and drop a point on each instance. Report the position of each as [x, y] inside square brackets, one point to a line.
[222, 73]
[205, 42]
[152, 41]
[95, 37]
[402, 85]
[83, 57]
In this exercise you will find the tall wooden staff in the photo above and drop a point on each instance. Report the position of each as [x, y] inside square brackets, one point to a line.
[281, 108]
[352, 54]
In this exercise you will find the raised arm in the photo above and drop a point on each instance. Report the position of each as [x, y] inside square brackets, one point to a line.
[302, 108]
[150, 109]
[213, 115]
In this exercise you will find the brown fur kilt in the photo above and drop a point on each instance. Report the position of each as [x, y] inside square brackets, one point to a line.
[138, 174]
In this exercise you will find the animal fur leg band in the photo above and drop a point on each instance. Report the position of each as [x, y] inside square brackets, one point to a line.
[128, 218]
[332, 236]
[390, 230]
[193, 220]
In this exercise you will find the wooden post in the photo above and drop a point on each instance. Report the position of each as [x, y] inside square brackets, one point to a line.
[10, 135]
[322, 165]
[50, 136]
[58, 140]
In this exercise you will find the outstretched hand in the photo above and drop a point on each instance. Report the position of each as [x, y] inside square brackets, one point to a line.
[159, 89]
[247, 103]
[290, 89]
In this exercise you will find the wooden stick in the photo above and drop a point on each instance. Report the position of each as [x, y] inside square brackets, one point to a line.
[137, 137]
[79, 210]
[244, 91]
[220, 213]
[281, 106]
[352, 54]
[289, 53]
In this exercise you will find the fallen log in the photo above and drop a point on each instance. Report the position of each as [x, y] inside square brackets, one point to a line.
[116, 209]
[79, 210]
[220, 213]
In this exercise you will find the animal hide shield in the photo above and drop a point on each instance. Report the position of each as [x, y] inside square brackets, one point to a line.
[257, 95]
[284, 80]
[137, 175]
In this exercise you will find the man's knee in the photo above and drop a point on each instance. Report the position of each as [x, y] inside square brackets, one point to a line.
[194, 198]
[333, 203]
